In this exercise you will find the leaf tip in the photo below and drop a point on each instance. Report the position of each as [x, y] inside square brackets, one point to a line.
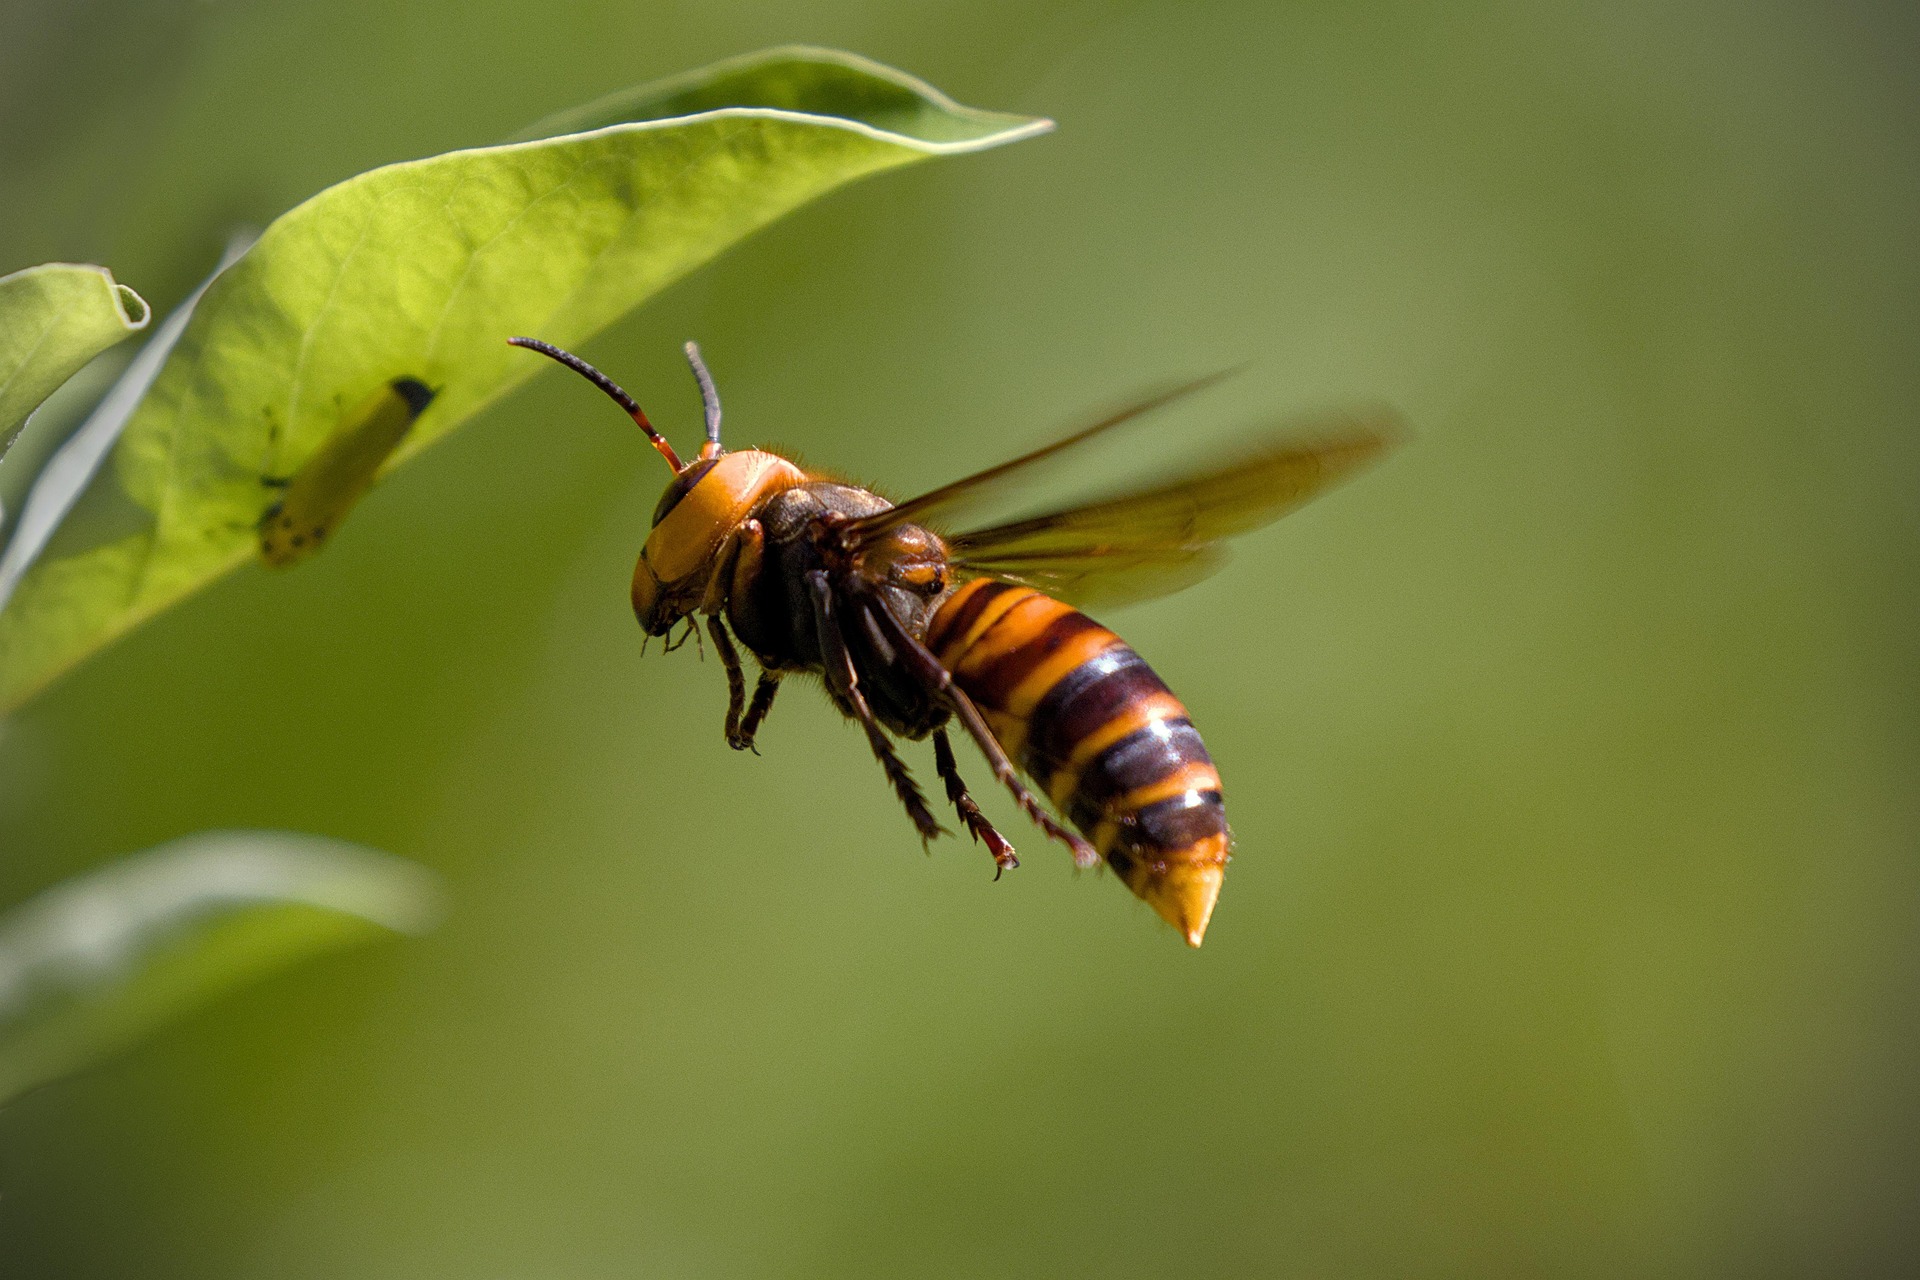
[134, 311]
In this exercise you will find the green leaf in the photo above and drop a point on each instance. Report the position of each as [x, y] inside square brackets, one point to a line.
[65, 475]
[94, 964]
[423, 270]
[53, 319]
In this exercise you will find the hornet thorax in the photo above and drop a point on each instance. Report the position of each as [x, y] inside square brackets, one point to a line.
[904, 570]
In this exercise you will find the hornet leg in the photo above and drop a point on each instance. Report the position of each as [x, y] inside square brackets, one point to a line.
[940, 680]
[843, 680]
[742, 549]
[977, 825]
[756, 712]
[736, 683]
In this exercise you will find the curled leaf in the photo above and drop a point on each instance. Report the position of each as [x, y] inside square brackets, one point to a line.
[66, 474]
[53, 319]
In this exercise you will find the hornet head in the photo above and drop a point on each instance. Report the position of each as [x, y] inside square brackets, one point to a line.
[704, 504]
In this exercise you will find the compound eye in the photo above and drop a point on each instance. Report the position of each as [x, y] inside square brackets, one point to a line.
[681, 486]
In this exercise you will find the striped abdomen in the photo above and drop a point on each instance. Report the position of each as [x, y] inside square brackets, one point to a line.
[1084, 716]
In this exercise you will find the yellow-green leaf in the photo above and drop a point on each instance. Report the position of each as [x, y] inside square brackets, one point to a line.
[95, 963]
[53, 319]
[423, 270]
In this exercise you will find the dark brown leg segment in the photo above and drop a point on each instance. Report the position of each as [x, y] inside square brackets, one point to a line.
[845, 681]
[977, 825]
[940, 680]
[756, 712]
[736, 682]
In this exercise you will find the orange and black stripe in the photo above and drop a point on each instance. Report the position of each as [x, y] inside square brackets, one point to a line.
[1086, 718]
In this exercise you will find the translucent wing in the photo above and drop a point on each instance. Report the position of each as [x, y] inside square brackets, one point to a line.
[1151, 541]
[949, 504]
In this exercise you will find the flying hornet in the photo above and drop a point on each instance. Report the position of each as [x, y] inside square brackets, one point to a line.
[915, 622]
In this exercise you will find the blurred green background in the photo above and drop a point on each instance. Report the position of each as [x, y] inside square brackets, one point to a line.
[1571, 753]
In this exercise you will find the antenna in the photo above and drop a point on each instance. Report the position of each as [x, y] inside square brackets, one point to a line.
[621, 398]
[709, 400]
